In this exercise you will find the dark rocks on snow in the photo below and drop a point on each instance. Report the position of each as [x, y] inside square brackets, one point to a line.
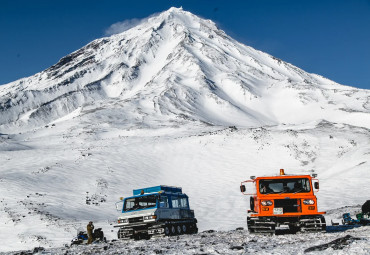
[337, 244]
[209, 231]
[236, 247]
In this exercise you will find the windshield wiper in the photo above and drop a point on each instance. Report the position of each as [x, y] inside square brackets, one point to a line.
[283, 191]
[298, 190]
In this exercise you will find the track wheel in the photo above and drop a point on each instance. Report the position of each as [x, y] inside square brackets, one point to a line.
[184, 228]
[179, 229]
[173, 230]
[167, 230]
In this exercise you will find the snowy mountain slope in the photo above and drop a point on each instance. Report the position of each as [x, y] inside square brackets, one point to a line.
[46, 174]
[157, 105]
[177, 64]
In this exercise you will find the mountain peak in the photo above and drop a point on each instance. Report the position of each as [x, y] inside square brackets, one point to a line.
[174, 65]
[178, 16]
[175, 10]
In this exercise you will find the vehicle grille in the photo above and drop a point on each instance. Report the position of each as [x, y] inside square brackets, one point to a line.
[136, 219]
[288, 205]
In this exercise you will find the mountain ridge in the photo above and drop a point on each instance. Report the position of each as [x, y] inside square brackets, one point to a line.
[176, 62]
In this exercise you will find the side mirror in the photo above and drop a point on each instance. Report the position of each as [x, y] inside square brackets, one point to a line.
[242, 188]
[316, 185]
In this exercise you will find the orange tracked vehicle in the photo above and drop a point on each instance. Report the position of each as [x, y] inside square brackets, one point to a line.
[287, 200]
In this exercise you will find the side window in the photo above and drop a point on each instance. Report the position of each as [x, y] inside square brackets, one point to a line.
[184, 202]
[306, 185]
[175, 202]
[129, 204]
[163, 202]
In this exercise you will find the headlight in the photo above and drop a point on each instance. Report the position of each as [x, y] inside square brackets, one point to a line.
[150, 217]
[122, 220]
[266, 202]
[309, 202]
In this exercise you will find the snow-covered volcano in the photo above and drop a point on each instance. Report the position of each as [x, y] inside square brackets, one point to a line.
[179, 66]
[172, 101]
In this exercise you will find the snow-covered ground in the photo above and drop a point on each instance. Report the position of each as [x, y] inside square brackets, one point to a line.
[355, 240]
[46, 174]
[174, 101]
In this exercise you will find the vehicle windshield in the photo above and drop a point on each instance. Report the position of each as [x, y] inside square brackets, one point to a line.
[137, 203]
[291, 185]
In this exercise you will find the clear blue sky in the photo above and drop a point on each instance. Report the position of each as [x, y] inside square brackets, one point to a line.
[327, 37]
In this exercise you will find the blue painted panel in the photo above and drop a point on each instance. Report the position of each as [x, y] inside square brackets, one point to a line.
[157, 189]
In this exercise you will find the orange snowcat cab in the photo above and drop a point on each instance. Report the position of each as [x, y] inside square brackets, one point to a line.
[287, 200]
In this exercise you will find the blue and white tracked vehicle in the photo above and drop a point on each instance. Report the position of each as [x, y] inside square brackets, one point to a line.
[159, 210]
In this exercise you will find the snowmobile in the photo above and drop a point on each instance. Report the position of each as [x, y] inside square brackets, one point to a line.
[82, 237]
[362, 218]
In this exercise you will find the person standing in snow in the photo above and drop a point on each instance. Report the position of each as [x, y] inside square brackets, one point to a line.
[90, 228]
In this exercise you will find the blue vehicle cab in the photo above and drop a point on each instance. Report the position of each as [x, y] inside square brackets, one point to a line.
[158, 210]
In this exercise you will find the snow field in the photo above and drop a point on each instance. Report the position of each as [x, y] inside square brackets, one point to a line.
[208, 165]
